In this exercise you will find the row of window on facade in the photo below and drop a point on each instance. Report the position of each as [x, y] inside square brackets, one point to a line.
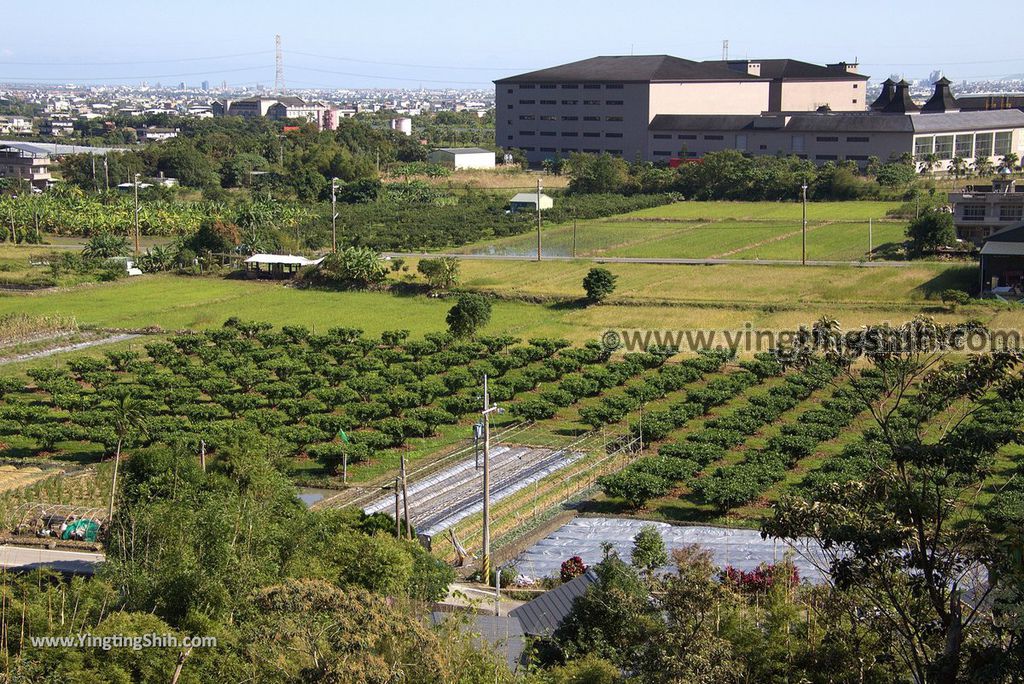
[552, 117]
[568, 86]
[570, 150]
[1007, 212]
[590, 103]
[965, 145]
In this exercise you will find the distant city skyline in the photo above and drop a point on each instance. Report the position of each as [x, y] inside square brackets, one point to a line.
[461, 44]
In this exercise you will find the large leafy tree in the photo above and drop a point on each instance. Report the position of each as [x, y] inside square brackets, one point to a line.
[470, 313]
[903, 534]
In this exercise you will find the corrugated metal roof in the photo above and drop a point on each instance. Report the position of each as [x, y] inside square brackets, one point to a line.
[1003, 248]
[967, 121]
[543, 615]
[464, 150]
[280, 259]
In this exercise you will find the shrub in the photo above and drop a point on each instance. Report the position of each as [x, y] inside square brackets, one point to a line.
[634, 487]
[470, 313]
[598, 284]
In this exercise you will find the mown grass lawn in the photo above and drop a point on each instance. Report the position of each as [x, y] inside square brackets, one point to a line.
[789, 211]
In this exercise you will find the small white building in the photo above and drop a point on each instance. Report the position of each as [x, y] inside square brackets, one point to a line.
[527, 201]
[463, 157]
[402, 124]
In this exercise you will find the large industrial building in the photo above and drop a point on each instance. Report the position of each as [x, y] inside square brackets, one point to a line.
[663, 108]
[278, 107]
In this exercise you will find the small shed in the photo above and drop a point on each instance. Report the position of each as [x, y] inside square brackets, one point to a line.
[1002, 261]
[463, 157]
[527, 201]
[276, 266]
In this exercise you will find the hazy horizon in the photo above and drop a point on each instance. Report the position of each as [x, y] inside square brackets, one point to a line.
[461, 44]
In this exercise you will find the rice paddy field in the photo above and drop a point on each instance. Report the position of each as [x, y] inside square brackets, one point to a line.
[836, 231]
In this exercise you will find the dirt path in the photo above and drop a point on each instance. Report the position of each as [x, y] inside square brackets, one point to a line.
[52, 351]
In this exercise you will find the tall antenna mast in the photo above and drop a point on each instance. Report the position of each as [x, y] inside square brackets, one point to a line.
[725, 50]
[279, 74]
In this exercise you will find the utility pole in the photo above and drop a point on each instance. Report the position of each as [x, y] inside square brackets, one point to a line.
[803, 234]
[870, 241]
[136, 214]
[106, 174]
[486, 417]
[573, 233]
[334, 215]
[398, 515]
[95, 184]
[538, 218]
[641, 428]
[202, 454]
[405, 500]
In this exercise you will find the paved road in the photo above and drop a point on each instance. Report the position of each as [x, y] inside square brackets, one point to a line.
[24, 558]
[650, 260]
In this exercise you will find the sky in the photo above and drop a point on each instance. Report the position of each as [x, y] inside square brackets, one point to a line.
[465, 44]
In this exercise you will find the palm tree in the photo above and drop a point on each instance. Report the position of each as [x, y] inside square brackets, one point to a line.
[1009, 161]
[928, 162]
[127, 418]
[958, 167]
[983, 166]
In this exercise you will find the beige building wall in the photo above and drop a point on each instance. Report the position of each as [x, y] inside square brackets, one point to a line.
[738, 97]
[807, 96]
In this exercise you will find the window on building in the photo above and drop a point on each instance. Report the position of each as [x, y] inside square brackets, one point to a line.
[548, 117]
[570, 102]
[526, 86]
[614, 102]
[613, 135]
[569, 149]
[662, 153]
[591, 118]
[857, 157]
[510, 106]
[944, 146]
[569, 134]
[714, 137]
[591, 151]
[797, 143]
[570, 118]
[662, 136]
[983, 145]
[858, 138]
[613, 118]
[854, 100]
[826, 157]
[974, 212]
[964, 146]
[509, 91]
[1011, 212]
[510, 137]
[592, 102]
[548, 86]
[591, 134]
[1002, 143]
[619, 152]
[923, 145]
[741, 143]
[526, 117]
[827, 138]
[528, 149]
[614, 86]
[569, 86]
[762, 147]
[547, 149]
[527, 132]
[548, 102]
[548, 133]
[686, 136]
[591, 86]
[527, 102]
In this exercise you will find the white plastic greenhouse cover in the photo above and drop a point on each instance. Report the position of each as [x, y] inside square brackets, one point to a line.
[741, 548]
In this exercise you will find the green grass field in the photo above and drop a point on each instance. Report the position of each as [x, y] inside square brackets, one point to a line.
[837, 231]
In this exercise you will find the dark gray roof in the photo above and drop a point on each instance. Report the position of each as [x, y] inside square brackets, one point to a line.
[853, 122]
[942, 99]
[502, 633]
[884, 97]
[778, 69]
[955, 121]
[463, 150]
[901, 102]
[1014, 233]
[543, 615]
[631, 69]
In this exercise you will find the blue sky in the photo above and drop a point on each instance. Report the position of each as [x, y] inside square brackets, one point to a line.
[401, 43]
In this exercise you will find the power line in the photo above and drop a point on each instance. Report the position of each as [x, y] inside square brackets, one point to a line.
[38, 79]
[415, 66]
[389, 78]
[139, 61]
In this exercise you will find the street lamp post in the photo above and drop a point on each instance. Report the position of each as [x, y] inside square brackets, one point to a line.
[538, 218]
[803, 232]
[485, 417]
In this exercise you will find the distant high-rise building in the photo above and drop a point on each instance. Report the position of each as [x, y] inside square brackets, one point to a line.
[181, 86]
[206, 85]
